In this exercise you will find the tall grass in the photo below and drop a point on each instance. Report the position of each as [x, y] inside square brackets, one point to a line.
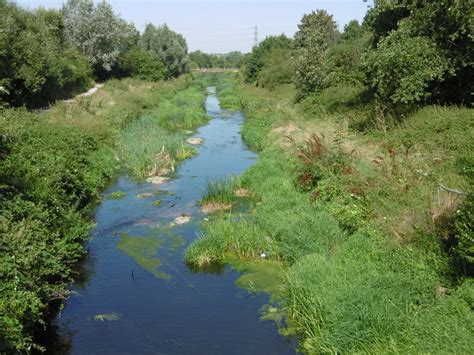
[156, 141]
[146, 146]
[239, 237]
[366, 270]
[228, 96]
[221, 191]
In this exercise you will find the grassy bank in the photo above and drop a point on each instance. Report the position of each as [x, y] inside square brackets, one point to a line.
[53, 165]
[366, 240]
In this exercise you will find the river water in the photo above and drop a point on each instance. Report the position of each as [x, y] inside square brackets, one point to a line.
[137, 296]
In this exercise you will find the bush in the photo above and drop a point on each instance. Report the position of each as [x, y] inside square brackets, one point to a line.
[403, 67]
[36, 68]
[462, 229]
[48, 176]
[277, 69]
[143, 65]
[259, 55]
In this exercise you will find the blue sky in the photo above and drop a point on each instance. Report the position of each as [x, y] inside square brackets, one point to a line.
[219, 26]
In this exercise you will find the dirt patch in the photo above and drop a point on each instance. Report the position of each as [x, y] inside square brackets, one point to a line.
[298, 132]
[211, 207]
[242, 193]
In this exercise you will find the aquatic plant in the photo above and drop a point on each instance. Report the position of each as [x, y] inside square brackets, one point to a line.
[144, 251]
[222, 190]
[117, 195]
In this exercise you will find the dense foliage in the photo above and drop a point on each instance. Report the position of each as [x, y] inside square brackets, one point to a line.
[257, 58]
[142, 64]
[436, 35]
[317, 33]
[48, 176]
[170, 47]
[203, 60]
[98, 33]
[36, 67]
[277, 69]
[47, 55]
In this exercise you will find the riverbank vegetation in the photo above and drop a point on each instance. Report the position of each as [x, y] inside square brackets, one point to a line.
[363, 191]
[364, 183]
[54, 164]
[201, 60]
[48, 55]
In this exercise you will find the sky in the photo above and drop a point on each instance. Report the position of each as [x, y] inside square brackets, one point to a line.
[221, 26]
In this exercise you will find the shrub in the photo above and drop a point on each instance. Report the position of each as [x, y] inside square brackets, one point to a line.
[462, 233]
[143, 65]
[48, 176]
[403, 67]
[259, 55]
[36, 68]
[277, 69]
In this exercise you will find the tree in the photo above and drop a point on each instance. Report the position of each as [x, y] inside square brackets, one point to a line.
[276, 69]
[35, 65]
[257, 58]
[98, 33]
[344, 59]
[448, 27]
[143, 65]
[402, 68]
[169, 46]
[316, 35]
[234, 59]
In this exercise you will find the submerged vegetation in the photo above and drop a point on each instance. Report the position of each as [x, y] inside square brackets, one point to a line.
[144, 251]
[54, 164]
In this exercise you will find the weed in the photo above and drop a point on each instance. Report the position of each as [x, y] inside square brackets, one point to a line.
[222, 191]
[117, 195]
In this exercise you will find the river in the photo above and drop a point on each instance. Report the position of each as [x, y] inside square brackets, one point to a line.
[137, 295]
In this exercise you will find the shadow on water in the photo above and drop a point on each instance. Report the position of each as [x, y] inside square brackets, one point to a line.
[136, 295]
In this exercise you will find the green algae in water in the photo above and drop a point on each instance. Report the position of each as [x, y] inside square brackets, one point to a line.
[117, 195]
[144, 251]
[259, 275]
[157, 203]
[163, 192]
[175, 242]
[171, 241]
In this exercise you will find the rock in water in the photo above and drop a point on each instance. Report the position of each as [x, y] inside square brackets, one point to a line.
[194, 140]
[157, 180]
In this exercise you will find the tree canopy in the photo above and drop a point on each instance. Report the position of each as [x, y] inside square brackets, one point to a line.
[98, 33]
[36, 66]
[257, 58]
[317, 33]
[170, 47]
